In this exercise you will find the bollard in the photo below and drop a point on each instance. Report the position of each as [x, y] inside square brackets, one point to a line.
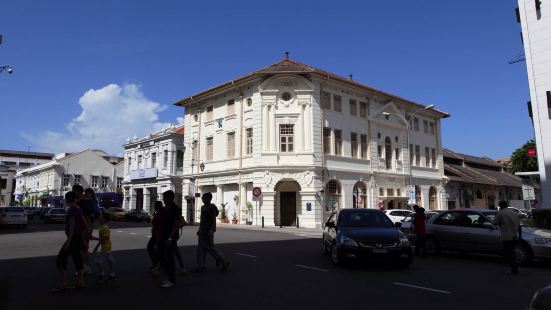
[297, 222]
[262, 222]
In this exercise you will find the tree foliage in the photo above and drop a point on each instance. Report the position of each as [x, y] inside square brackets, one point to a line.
[520, 162]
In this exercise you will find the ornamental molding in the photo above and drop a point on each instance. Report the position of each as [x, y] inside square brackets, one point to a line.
[304, 179]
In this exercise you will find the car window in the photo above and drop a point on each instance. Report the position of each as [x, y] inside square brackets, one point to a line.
[448, 218]
[364, 219]
[490, 216]
[14, 209]
[408, 218]
[473, 219]
[57, 211]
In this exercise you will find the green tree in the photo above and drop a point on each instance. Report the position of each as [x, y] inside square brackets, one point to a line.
[521, 162]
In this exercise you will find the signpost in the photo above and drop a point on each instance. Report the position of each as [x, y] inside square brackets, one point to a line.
[257, 195]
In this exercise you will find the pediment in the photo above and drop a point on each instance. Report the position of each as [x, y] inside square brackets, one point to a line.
[392, 119]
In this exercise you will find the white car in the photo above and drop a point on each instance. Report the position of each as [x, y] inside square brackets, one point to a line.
[397, 215]
[13, 216]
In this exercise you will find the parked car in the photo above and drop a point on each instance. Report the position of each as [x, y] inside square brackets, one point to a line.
[397, 215]
[13, 216]
[117, 214]
[541, 299]
[55, 215]
[29, 211]
[365, 234]
[521, 213]
[472, 230]
[138, 215]
[43, 212]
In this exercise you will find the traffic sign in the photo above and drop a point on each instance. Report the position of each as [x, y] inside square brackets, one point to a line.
[411, 194]
[257, 192]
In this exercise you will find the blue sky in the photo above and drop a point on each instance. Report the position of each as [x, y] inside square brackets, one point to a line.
[74, 61]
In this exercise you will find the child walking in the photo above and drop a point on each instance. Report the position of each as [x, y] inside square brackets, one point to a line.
[104, 257]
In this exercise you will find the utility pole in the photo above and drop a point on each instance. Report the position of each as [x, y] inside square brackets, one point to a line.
[9, 69]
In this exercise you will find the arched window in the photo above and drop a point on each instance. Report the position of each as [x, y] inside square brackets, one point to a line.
[333, 194]
[433, 198]
[478, 194]
[388, 153]
[359, 196]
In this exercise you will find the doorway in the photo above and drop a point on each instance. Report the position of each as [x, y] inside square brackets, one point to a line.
[139, 199]
[288, 204]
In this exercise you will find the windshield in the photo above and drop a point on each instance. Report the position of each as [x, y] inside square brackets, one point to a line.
[408, 218]
[364, 219]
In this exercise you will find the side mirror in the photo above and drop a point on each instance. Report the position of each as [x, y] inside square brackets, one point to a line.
[398, 224]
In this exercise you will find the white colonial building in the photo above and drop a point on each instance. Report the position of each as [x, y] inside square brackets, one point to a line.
[312, 141]
[153, 165]
[48, 182]
[535, 19]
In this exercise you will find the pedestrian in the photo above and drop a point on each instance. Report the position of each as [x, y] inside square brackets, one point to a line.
[207, 228]
[90, 195]
[72, 245]
[511, 233]
[169, 237]
[156, 231]
[86, 209]
[104, 257]
[419, 229]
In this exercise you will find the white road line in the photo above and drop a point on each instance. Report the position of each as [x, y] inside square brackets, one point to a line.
[132, 233]
[119, 230]
[148, 236]
[245, 255]
[422, 288]
[312, 268]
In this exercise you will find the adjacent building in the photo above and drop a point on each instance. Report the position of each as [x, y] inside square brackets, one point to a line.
[7, 185]
[153, 165]
[312, 141]
[479, 182]
[46, 184]
[535, 19]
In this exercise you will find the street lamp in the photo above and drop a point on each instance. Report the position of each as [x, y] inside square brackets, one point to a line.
[9, 69]
[407, 122]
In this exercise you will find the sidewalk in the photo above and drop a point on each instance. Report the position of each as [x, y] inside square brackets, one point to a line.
[287, 229]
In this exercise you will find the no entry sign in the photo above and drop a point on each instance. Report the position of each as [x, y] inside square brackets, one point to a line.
[257, 192]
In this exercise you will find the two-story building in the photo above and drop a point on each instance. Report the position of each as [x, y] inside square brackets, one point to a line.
[312, 141]
[153, 165]
[46, 183]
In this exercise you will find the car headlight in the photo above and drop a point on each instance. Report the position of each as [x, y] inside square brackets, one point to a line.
[403, 241]
[543, 240]
[348, 242]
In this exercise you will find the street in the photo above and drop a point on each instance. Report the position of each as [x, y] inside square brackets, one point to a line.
[273, 269]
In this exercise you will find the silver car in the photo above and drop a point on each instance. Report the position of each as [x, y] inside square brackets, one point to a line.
[471, 230]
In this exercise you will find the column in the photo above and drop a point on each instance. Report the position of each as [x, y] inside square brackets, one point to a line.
[146, 200]
[132, 203]
[242, 201]
[219, 194]
[300, 129]
[265, 128]
[273, 129]
[308, 126]
[198, 204]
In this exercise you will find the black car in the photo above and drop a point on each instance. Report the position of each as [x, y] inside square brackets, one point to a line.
[365, 234]
[55, 215]
[138, 215]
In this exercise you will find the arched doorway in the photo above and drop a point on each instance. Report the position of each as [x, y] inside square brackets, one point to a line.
[433, 198]
[359, 196]
[287, 199]
[333, 195]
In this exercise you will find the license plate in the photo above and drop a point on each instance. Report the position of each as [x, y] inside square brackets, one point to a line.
[379, 251]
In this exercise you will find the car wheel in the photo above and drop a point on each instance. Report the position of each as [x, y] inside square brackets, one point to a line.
[405, 262]
[325, 250]
[432, 247]
[523, 253]
[336, 257]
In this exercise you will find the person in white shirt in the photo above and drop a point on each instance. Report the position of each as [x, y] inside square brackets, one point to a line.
[509, 224]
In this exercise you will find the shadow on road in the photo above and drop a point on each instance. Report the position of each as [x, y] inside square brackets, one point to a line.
[37, 225]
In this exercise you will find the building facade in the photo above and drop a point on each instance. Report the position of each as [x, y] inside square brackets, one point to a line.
[479, 182]
[7, 185]
[46, 184]
[153, 165]
[535, 19]
[313, 142]
[21, 160]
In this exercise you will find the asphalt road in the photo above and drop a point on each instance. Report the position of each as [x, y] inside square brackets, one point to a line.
[271, 269]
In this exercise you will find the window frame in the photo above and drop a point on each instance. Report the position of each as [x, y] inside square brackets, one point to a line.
[230, 145]
[326, 140]
[363, 147]
[337, 103]
[353, 145]
[325, 100]
[286, 140]
[338, 142]
[249, 145]
[353, 105]
[209, 143]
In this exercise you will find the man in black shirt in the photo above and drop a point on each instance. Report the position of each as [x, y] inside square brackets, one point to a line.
[169, 237]
[207, 227]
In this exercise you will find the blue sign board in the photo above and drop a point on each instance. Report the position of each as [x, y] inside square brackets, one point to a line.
[308, 206]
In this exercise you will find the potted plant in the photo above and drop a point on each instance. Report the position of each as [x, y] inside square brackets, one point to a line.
[234, 218]
[249, 206]
[223, 214]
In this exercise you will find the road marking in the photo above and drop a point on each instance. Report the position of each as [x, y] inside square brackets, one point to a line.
[422, 288]
[312, 268]
[148, 236]
[119, 230]
[132, 233]
[245, 255]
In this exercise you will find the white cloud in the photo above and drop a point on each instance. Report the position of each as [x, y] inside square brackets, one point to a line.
[109, 115]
